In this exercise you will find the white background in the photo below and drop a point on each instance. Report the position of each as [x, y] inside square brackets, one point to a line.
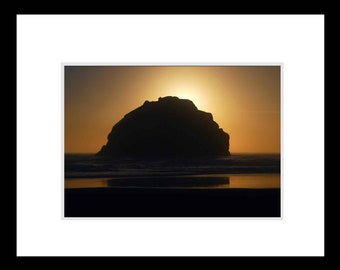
[44, 42]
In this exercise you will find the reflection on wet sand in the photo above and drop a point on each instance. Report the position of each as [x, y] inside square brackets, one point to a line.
[255, 181]
[196, 181]
[86, 183]
[216, 181]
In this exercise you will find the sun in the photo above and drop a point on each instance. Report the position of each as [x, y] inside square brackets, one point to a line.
[191, 92]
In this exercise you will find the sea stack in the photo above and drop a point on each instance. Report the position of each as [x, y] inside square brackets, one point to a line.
[167, 127]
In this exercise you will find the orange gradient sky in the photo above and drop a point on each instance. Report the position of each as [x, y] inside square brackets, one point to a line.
[244, 101]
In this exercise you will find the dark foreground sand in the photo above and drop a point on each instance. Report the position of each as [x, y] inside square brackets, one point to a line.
[144, 202]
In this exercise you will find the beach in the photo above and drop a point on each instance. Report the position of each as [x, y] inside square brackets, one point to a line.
[235, 186]
[152, 202]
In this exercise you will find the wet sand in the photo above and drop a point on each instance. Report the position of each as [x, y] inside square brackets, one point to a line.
[163, 202]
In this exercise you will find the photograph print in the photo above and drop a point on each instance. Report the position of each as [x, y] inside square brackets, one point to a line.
[172, 141]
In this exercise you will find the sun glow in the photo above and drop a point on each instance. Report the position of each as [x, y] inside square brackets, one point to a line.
[190, 91]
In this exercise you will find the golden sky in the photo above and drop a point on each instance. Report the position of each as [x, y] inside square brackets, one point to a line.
[244, 101]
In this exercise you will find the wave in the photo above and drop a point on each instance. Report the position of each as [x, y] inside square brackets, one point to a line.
[92, 166]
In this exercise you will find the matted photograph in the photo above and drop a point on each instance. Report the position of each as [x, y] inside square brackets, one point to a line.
[172, 141]
[170, 135]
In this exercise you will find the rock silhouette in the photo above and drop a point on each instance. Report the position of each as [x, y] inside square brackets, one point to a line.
[167, 127]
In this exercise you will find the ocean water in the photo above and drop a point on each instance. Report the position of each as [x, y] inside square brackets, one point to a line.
[235, 171]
